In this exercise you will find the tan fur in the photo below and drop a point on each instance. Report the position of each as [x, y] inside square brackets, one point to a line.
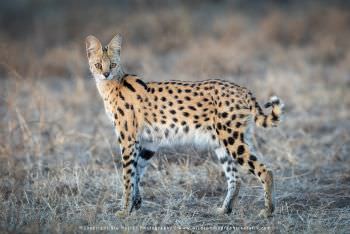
[213, 113]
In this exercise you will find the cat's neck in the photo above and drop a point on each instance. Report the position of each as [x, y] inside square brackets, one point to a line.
[106, 87]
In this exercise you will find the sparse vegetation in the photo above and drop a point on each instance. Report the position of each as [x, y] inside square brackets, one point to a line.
[60, 166]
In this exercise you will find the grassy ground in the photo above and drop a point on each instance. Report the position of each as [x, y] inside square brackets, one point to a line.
[60, 164]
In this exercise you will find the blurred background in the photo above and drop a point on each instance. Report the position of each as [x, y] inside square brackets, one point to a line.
[57, 146]
[45, 38]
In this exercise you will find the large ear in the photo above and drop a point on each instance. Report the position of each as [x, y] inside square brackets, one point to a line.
[92, 45]
[115, 45]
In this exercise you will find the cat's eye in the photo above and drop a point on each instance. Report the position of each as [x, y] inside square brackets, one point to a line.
[113, 65]
[98, 66]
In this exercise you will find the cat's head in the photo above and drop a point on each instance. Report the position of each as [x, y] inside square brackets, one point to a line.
[104, 61]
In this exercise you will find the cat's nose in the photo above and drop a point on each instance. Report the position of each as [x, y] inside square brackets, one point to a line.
[106, 74]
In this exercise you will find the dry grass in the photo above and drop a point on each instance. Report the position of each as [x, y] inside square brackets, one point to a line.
[60, 167]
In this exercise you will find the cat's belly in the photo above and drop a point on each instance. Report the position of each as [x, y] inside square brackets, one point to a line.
[152, 137]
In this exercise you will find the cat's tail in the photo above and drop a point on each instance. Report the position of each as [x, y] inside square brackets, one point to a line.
[273, 118]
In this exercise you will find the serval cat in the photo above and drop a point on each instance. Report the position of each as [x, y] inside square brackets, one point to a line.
[147, 115]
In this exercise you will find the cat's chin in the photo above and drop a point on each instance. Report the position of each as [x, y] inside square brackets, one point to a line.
[99, 78]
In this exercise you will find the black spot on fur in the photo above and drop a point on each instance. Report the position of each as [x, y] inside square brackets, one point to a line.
[186, 129]
[142, 83]
[126, 126]
[240, 150]
[129, 86]
[120, 111]
[219, 126]
[121, 96]
[223, 160]
[231, 141]
[234, 155]
[251, 164]
[242, 136]
[128, 163]
[252, 158]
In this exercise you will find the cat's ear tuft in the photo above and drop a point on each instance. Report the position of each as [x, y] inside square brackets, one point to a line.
[92, 45]
[115, 45]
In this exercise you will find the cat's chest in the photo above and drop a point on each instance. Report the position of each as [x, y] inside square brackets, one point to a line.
[109, 111]
[111, 116]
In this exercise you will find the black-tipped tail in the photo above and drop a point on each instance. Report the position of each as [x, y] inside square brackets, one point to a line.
[275, 116]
